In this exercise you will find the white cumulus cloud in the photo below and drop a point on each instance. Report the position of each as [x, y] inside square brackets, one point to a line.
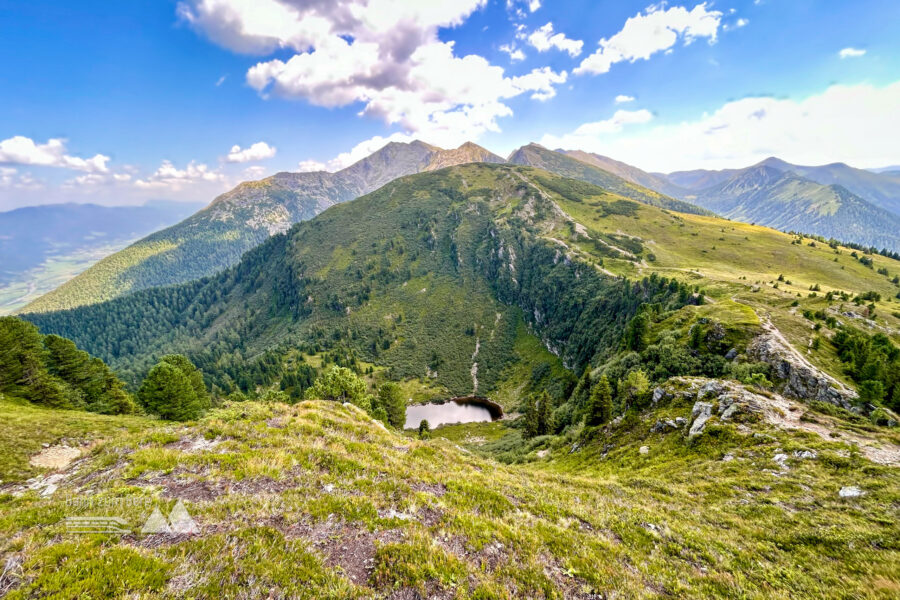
[852, 53]
[20, 150]
[515, 54]
[384, 54]
[543, 39]
[622, 98]
[257, 151]
[309, 166]
[855, 124]
[645, 34]
[168, 176]
[10, 178]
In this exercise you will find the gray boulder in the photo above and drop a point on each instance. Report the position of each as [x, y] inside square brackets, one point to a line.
[701, 413]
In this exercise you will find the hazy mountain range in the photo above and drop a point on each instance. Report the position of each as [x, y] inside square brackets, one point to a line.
[240, 219]
[835, 200]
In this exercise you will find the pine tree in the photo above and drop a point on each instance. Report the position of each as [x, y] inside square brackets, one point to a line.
[193, 374]
[600, 405]
[391, 400]
[634, 387]
[168, 392]
[545, 414]
[582, 391]
[636, 333]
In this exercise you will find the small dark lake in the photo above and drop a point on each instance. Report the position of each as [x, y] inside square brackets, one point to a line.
[453, 411]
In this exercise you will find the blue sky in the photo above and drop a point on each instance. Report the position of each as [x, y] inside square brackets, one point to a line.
[120, 102]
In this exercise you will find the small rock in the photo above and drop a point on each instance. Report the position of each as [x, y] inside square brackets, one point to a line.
[659, 394]
[728, 458]
[731, 354]
[804, 454]
[851, 491]
[542, 453]
[45, 445]
[710, 388]
[781, 459]
[730, 411]
[644, 450]
[574, 448]
[700, 413]
[328, 488]
[680, 422]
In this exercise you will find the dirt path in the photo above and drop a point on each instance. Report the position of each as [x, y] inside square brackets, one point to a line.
[55, 457]
[786, 414]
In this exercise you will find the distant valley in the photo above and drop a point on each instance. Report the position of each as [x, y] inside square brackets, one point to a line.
[42, 247]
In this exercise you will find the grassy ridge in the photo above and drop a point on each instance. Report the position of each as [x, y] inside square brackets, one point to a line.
[315, 501]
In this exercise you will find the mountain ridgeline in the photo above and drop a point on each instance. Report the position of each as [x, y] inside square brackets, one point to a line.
[478, 245]
[574, 166]
[833, 201]
[240, 219]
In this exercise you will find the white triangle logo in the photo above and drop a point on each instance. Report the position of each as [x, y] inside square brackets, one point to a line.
[156, 523]
[181, 522]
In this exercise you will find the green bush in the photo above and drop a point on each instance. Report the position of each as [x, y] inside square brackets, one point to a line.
[173, 389]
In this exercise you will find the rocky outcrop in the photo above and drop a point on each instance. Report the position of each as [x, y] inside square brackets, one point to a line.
[725, 399]
[701, 413]
[798, 378]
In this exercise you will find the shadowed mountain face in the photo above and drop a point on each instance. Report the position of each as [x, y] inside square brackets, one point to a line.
[629, 173]
[786, 201]
[880, 189]
[240, 219]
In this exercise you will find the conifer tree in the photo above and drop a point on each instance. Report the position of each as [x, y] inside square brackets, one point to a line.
[170, 392]
[544, 415]
[391, 400]
[600, 406]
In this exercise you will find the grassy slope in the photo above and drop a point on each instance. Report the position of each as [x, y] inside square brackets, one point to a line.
[569, 166]
[315, 501]
[730, 260]
[25, 427]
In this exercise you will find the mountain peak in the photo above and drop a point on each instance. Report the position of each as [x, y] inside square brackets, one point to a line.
[775, 163]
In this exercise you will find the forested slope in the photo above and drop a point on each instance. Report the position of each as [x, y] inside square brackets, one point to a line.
[444, 276]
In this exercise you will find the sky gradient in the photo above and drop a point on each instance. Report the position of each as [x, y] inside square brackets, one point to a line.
[123, 102]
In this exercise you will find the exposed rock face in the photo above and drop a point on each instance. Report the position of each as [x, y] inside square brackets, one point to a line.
[701, 413]
[801, 379]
